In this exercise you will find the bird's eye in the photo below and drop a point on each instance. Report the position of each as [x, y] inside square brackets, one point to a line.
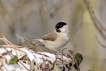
[58, 30]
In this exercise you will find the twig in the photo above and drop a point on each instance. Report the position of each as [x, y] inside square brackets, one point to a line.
[79, 24]
[32, 65]
[5, 68]
[19, 66]
[95, 20]
[100, 42]
[62, 55]
[57, 6]
[23, 65]
[72, 57]
[9, 44]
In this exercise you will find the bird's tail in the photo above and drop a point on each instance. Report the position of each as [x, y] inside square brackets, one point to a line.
[38, 41]
[34, 40]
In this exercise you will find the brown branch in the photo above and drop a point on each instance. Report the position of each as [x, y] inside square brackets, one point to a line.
[98, 25]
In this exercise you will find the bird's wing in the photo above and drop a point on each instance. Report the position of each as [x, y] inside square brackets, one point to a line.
[52, 36]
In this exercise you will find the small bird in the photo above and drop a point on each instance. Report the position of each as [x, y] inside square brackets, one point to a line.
[57, 38]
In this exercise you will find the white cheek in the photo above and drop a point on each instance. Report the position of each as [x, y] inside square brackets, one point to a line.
[64, 29]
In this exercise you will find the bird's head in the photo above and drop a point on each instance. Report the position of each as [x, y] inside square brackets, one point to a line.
[62, 27]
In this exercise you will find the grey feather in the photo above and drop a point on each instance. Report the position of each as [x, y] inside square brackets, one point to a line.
[52, 36]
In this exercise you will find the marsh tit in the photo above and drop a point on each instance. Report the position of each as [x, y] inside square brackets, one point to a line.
[57, 38]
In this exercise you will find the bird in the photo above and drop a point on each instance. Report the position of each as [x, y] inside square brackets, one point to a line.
[57, 38]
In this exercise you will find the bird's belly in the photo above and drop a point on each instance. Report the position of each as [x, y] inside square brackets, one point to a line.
[55, 45]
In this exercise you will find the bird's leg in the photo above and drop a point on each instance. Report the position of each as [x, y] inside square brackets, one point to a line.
[56, 51]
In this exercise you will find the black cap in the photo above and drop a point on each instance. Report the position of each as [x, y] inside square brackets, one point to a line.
[59, 25]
